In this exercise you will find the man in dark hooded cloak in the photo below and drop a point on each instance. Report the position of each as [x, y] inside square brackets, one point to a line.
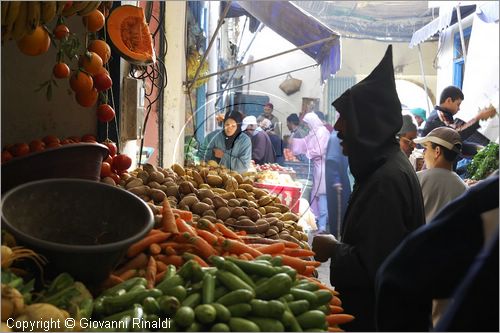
[386, 203]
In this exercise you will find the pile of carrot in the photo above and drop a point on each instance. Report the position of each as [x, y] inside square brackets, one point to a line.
[180, 239]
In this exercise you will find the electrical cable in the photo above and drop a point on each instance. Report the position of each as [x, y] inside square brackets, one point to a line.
[156, 74]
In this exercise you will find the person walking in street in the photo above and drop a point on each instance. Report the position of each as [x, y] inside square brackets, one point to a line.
[386, 204]
[313, 146]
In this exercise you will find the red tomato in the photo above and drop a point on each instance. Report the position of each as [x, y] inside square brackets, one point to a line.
[37, 145]
[68, 5]
[53, 145]
[66, 141]
[109, 160]
[20, 149]
[50, 139]
[102, 81]
[105, 169]
[6, 156]
[115, 177]
[73, 138]
[61, 31]
[105, 113]
[61, 70]
[88, 138]
[121, 162]
[111, 146]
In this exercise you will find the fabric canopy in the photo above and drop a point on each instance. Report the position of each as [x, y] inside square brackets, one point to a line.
[447, 17]
[299, 28]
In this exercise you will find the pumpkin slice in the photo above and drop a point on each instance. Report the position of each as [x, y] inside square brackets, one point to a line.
[130, 35]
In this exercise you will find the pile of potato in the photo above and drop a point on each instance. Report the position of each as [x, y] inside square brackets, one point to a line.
[214, 193]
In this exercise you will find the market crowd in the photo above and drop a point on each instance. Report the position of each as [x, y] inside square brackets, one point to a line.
[410, 251]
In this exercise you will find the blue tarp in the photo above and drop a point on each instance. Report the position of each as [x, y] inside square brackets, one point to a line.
[299, 28]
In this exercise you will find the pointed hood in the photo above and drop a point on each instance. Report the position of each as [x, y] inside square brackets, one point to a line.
[372, 111]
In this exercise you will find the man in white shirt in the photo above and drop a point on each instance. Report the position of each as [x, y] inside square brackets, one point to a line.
[439, 183]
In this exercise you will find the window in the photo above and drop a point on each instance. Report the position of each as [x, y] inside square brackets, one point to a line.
[458, 56]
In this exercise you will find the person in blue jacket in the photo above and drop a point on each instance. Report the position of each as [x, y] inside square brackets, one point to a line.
[338, 186]
[228, 147]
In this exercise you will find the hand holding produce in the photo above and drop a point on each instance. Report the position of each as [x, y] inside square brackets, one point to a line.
[324, 247]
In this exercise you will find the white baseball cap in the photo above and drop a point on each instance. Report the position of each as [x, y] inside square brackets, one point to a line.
[248, 120]
[443, 136]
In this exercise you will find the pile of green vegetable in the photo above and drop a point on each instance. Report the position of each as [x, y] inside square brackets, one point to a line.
[484, 162]
[234, 295]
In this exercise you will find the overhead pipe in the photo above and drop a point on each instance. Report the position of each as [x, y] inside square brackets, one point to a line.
[267, 78]
[423, 77]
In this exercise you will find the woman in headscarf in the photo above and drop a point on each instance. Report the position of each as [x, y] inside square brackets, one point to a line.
[228, 146]
[314, 146]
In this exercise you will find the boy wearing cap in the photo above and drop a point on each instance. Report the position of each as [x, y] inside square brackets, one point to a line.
[439, 183]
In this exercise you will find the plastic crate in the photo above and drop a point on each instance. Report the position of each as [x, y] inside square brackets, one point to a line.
[289, 195]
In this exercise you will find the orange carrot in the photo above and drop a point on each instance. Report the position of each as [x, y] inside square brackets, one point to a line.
[339, 318]
[183, 226]
[297, 252]
[154, 231]
[159, 276]
[226, 231]
[208, 236]
[186, 215]
[168, 250]
[204, 224]
[205, 249]
[196, 258]
[335, 301]
[128, 274]
[155, 248]
[334, 309]
[144, 243]
[272, 248]
[241, 233]
[174, 259]
[319, 284]
[151, 273]
[160, 266]
[111, 281]
[236, 247]
[297, 263]
[335, 329]
[177, 247]
[139, 261]
[168, 219]
[309, 270]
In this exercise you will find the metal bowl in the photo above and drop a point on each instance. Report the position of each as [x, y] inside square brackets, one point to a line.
[82, 227]
[77, 160]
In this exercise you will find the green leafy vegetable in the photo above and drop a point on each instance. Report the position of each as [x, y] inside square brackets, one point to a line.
[484, 162]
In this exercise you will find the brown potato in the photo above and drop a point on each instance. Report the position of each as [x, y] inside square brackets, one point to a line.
[134, 183]
[223, 213]
[188, 200]
[253, 213]
[214, 180]
[237, 211]
[157, 195]
[173, 191]
[208, 201]
[205, 193]
[140, 190]
[186, 187]
[143, 175]
[228, 195]
[178, 169]
[200, 207]
[157, 176]
[233, 203]
[241, 193]
[209, 213]
[219, 202]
